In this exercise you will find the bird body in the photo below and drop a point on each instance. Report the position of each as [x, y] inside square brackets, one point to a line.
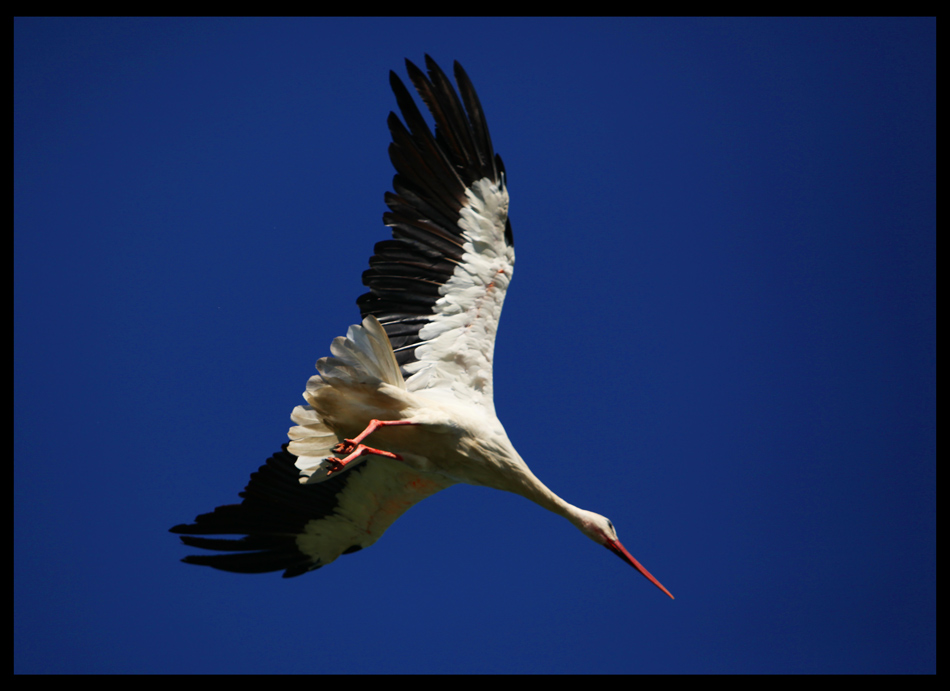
[403, 409]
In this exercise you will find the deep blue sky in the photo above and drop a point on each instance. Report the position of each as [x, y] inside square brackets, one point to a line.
[720, 334]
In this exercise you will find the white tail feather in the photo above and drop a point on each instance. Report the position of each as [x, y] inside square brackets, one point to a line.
[364, 356]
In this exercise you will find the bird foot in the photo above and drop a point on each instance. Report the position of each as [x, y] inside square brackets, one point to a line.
[347, 446]
[352, 448]
[334, 465]
[338, 464]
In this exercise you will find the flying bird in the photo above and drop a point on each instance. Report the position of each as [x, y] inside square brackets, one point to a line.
[403, 409]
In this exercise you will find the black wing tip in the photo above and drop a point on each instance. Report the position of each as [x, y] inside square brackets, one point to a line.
[275, 509]
[245, 564]
[395, 81]
[459, 72]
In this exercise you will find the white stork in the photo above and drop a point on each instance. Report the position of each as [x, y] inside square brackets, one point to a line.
[414, 380]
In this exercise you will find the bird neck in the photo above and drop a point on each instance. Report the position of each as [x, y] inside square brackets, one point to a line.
[538, 492]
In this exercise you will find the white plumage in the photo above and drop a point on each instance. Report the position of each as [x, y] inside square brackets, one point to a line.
[403, 408]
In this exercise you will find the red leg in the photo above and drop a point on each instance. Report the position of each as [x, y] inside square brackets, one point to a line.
[354, 449]
[338, 464]
[349, 445]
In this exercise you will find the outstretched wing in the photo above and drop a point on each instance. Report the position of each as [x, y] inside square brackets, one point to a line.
[298, 528]
[438, 286]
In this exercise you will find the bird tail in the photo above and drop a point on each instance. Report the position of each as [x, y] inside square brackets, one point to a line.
[363, 356]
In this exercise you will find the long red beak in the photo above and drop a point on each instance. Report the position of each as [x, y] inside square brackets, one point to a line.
[621, 551]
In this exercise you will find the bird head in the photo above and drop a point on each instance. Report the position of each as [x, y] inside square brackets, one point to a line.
[599, 529]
